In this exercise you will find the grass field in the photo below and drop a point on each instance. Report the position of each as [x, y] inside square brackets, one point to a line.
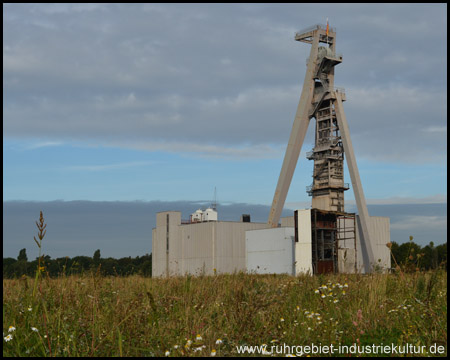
[203, 316]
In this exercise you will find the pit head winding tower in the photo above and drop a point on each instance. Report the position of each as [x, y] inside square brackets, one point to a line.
[321, 100]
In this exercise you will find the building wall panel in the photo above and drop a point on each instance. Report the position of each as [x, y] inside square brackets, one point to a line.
[159, 242]
[197, 248]
[287, 221]
[230, 245]
[303, 248]
[379, 232]
[270, 251]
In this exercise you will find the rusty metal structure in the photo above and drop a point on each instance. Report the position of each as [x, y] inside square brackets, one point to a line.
[321, 100]
[332, 233]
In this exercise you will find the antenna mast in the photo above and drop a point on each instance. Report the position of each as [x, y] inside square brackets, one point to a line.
[214, 204]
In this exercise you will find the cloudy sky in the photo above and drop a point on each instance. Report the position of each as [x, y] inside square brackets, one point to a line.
[164, 102]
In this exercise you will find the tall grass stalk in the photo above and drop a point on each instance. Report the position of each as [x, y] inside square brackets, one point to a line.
[41, 233]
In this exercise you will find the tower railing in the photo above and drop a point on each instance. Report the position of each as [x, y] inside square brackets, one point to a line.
[314, 27]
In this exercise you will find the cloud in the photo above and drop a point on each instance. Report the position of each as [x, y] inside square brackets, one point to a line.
[395, 200]
[120, 228]
[243, 152]
[227, 75]
[436, 129]
[413, 223]
[435, 199]
[39, 145]
[108, 166]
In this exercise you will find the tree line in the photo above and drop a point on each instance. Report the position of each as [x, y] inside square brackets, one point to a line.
[409, 256]
[140, 265]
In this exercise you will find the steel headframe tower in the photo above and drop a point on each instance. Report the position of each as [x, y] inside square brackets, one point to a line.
[322, 101]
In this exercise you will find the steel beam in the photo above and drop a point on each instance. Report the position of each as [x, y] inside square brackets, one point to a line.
[366, 245]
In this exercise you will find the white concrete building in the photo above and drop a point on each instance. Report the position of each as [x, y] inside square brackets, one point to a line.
[319, 242]
[198, 248]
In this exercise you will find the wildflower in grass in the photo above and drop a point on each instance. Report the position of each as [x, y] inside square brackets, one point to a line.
[281, 319]
[219, 341]
[30, 308]
[188, 343]
[346, 285]
[336, 301]
[198, 338]
[323, 296]
[213, 352]
[175, 347]
[8, 338]
[343, 292]
[317, 291]
[34, 329]
[11, 329]
[167, 353]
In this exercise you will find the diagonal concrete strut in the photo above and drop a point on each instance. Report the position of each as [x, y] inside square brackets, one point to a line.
[296, 138]
[366, 245]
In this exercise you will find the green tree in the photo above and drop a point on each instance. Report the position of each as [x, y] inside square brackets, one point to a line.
[97, 257]
[22, 255]
[8, 267]
[441, 251]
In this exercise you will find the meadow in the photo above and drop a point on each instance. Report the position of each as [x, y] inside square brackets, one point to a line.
[94, 315]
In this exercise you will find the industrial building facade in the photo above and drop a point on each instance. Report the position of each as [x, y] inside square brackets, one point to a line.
[310, 242]
[198, 247]
[319, 242]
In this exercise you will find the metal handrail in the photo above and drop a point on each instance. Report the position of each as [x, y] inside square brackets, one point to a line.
[307, 29]
[314, 27]
[339, 89]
